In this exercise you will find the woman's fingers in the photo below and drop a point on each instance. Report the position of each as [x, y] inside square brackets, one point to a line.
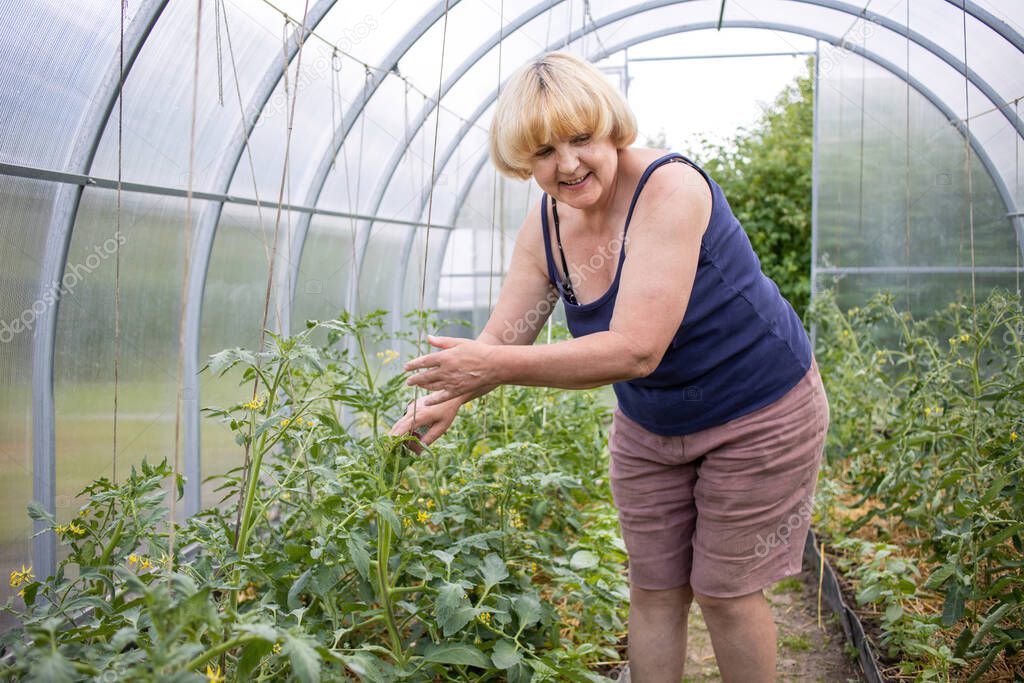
[430, 360]
[437, 398]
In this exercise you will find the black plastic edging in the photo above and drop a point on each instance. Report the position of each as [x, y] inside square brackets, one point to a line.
[852, 627]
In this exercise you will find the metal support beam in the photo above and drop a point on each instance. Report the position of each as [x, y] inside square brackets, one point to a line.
[58, 241]
[316, 186]
[656, 4]
[202, 246]
[986, 161]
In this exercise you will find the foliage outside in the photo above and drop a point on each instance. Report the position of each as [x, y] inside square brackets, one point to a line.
[922, 495]
[337, 554]
[765, 173]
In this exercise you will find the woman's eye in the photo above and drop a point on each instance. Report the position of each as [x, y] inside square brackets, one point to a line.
[581, 139]
[544, 151]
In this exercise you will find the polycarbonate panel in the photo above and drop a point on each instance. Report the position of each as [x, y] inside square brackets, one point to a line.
[894, 190]
[921, 293]
[23, 222]
[158, 99]
[864, 199]
[321, 291]
[56, 54]
[236, 284]
[151, 253]
[380, 268]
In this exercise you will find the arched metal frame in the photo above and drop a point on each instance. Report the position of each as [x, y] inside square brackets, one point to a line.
[94, 122]
[202, 248]
[55, 257]
[983, 156]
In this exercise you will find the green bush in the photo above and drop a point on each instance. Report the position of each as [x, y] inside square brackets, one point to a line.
[337, 553]
[926, 448]
[765, 173]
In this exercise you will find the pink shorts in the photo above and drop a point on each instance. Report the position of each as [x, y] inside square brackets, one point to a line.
[725, 509]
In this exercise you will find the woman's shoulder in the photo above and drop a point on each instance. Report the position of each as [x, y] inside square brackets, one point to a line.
[668, 178]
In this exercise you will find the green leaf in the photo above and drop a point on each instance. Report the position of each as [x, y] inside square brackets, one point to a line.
[583, 559]
[493, 570]
[457, 653]
[250, 658]
[296, 589]
[360, 558]
[893, 612]
[304, 659]
[528, 610]
[452, 609]
[52, 667]
[939, 576]
[953, 608]
[505, 654]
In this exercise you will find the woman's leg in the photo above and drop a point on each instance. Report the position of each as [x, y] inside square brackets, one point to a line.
[743, 636]
[657, 633]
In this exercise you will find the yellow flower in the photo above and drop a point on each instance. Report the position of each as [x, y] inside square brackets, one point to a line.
[422, 517]
[430, 503]
[406, 522]
[133, 559]
[214, 675]
[533, 567]
[76, 529]
[485, 618]
[444, 491]
[953, 341]
[277, 648]
[387, 356]
[146, 564]
[927, 412]
[254, 404]
[285, 422]
[247, 593]
[81, 513]
[1013, 437]
[515, 520]
[20, 577]
[965, 337]
[61, 529]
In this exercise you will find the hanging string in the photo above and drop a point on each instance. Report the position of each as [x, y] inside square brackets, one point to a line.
[968, 169]
[300, 37]
[220, 52]
[335, 93]
[184, 286]
[117, 235]
[593, 27]
[430, 201]
[568, 30]
[1017, 191]
[494, 200]
[245, 140]
[907, 170]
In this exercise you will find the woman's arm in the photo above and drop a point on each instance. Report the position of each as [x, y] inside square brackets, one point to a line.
[663, 247]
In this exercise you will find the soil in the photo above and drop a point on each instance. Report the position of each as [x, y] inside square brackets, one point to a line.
[806, 653]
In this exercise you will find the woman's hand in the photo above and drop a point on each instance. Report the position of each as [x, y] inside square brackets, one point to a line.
[437, 418]
[463, 369]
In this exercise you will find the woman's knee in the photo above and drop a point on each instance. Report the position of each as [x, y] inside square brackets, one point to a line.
[728, 607]
[679, 596]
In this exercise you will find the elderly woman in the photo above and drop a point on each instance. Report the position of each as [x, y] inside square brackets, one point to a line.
[721, 419]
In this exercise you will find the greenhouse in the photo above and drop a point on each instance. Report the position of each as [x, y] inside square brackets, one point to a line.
[257, 254]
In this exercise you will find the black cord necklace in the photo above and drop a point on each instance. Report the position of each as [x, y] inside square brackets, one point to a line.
[567, 290]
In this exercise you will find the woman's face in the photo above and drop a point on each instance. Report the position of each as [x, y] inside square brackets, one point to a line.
[578, 171]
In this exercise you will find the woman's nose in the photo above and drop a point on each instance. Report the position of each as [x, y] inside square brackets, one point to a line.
[568, 161]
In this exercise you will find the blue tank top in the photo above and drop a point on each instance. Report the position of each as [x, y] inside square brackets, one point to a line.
[740, 346]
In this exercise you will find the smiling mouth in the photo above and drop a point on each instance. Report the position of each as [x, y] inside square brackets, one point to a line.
[574, 183]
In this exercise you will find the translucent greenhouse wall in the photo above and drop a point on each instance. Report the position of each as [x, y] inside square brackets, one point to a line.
[900, 194]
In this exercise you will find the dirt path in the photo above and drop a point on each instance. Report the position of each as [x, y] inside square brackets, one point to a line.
[806, 654]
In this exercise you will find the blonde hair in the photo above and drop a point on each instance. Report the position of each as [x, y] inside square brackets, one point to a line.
[558, 95]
